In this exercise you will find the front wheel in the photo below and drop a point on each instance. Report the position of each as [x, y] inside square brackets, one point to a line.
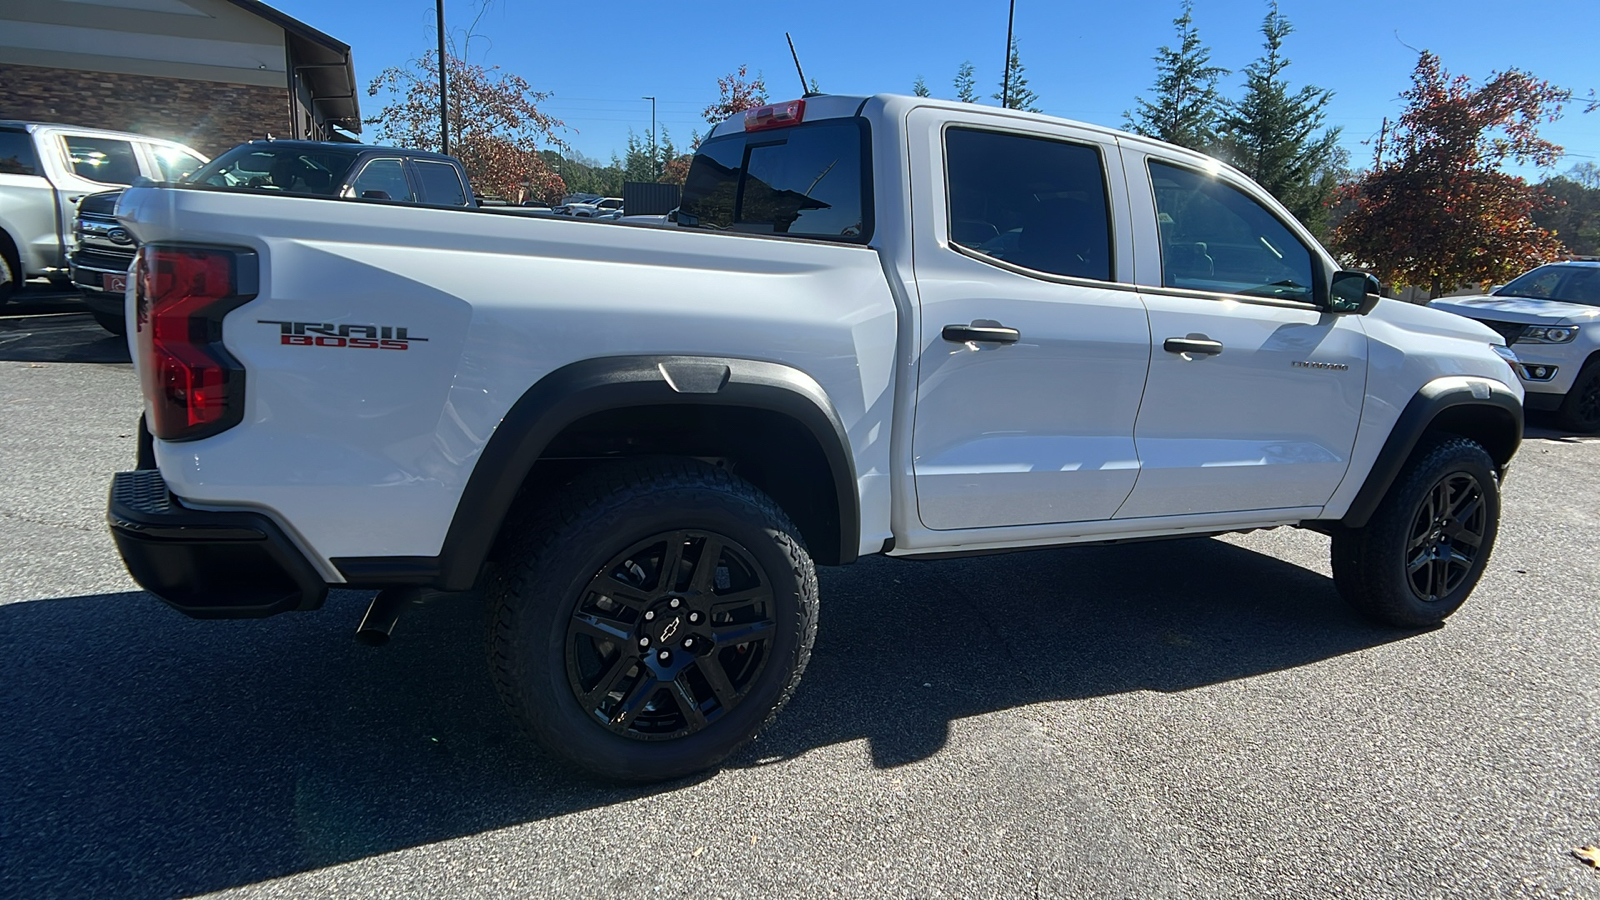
[652, 620]
[115, 324]
[1580, 411]
[1426, 546]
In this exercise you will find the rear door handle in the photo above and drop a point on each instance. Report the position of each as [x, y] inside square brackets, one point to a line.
[992, 334]
[1201, 346]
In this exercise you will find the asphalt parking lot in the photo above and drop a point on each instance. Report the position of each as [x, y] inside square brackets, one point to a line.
[1200, 718]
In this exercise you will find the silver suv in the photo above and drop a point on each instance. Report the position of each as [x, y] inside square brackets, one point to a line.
[1551, 317]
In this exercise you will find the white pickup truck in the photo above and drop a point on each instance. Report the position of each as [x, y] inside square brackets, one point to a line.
[46, 169]
[882, 325]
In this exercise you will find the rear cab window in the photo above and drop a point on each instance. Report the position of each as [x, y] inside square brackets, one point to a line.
[809, 180]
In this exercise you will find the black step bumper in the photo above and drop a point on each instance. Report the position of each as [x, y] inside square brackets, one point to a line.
[210, 565]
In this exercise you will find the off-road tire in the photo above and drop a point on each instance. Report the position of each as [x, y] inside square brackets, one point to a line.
[117, 325]
[548, 566]
[1580, 409]
[1370, 564]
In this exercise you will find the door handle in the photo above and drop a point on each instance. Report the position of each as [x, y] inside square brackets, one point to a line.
[1201, 346]
[992, 334]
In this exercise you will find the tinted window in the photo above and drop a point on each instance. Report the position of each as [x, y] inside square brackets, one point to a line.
[441, 184]
[281, 168]
[1571, 284]
[805, 181]
[175, 164]
[383, 179]
[106, 160]
[16, 154]
[1031, 201]
[1216, 238]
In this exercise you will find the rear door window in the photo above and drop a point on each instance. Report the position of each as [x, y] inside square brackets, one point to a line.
[440, 183]
[106, 160]
[805, 181]
[1032, 201]
[16, 153]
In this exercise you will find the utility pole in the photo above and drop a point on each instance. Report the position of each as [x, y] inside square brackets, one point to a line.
[654, 157]
[444, 104]
[1005, 79]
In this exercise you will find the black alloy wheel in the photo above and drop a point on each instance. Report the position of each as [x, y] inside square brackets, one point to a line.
[1580, 411]
[1421, 553]
[1446, 534]
[670, 635]
[650, 617]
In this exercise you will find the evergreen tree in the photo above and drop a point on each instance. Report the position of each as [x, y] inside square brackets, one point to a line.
[920, 87]
[1186, 106]
[1016, 95]
[966, 87]
[1276, 136]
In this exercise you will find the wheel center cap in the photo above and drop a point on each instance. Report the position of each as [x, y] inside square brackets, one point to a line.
[669, 627]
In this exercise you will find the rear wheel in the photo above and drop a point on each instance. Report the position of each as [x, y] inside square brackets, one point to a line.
[653, 619]
[1426, 546]
[1580, 411]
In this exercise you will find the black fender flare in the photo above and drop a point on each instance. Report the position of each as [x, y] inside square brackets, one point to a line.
[589, 386]
[1449, 397]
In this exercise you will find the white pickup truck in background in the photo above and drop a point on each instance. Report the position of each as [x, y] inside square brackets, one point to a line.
[881, 325]
[46, 169]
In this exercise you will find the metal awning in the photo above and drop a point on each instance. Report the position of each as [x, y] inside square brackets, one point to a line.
[322, 63]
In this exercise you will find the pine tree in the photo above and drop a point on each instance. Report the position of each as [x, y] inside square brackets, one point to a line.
[1277, 137]
[1016, 95]
[920, 87]
[1186, 107]
[966, 87]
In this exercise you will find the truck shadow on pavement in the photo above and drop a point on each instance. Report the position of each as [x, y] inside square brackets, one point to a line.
[151, 755]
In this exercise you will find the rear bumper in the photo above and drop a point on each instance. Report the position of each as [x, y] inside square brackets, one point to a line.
[210, 565]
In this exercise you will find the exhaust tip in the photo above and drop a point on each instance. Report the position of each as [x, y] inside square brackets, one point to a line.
[383, 613]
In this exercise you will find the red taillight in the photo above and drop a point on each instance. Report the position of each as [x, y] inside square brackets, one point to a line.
[777, 115]
[192, 386]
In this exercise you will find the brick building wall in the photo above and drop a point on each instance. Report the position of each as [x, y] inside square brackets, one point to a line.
[206, 115]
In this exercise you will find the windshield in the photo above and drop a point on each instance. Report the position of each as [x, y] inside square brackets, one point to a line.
[282, 169]
[1567, 283]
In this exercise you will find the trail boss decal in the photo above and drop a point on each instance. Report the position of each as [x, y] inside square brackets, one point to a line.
[327, 334]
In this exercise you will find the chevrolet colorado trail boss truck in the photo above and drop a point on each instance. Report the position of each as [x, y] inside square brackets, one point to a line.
[882, 325]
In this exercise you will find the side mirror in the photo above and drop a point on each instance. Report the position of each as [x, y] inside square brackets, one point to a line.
[1354, 292]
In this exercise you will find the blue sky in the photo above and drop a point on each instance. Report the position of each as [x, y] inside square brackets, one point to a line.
[1085, 60]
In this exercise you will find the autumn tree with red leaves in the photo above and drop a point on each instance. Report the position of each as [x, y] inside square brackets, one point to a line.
[738, 92]
[496, 128]
[1436, 210]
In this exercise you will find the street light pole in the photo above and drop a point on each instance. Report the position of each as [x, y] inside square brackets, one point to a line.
[1005, 78]
[654, 171]
[444, 105]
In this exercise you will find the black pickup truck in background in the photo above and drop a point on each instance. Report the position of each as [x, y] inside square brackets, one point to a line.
[104, 250]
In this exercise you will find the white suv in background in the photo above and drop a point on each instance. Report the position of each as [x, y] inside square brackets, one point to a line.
[1551, 317]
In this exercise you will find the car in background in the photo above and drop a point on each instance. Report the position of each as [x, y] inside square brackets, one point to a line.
[45, 169]
[1551, 318]
[105, 249]
[599, 208]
